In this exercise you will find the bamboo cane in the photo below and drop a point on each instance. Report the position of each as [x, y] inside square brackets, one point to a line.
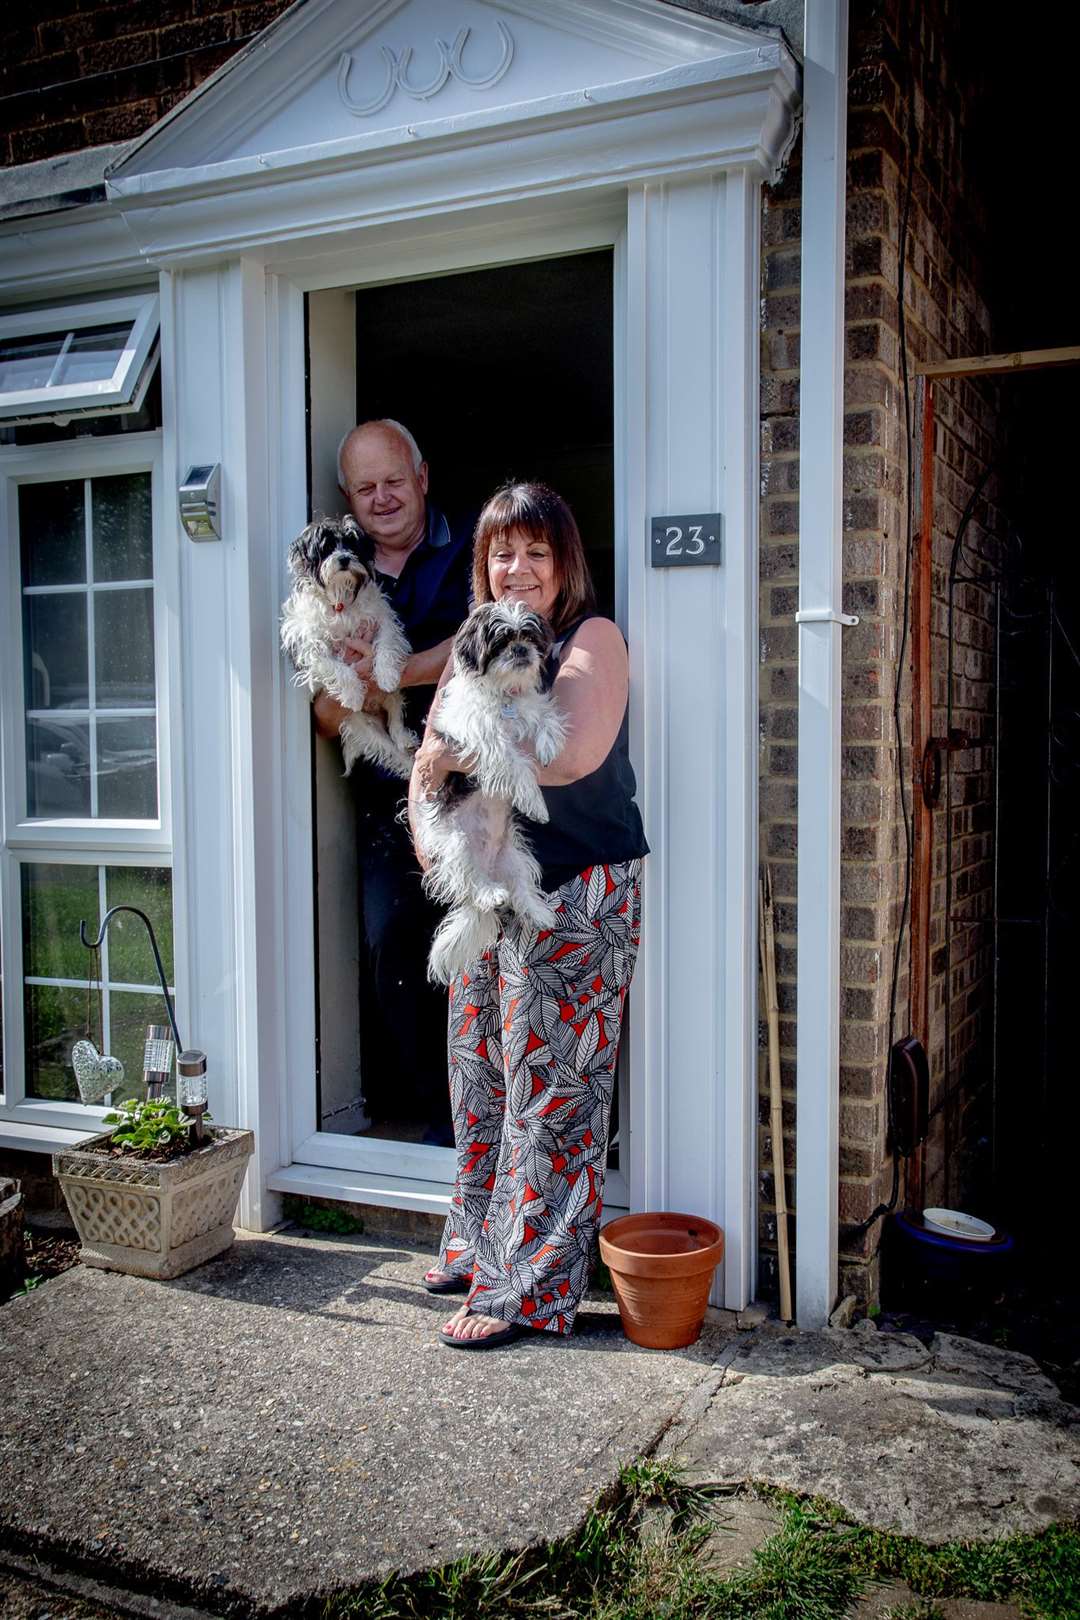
[767, 947]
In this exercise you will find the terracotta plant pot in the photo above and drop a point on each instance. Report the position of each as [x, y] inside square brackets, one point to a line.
[662, 1269]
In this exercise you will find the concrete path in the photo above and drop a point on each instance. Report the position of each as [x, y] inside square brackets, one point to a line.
[942, 1441]
[282, 1423]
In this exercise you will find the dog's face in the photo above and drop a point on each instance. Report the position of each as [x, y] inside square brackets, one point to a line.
[326, 556]
[504, 643]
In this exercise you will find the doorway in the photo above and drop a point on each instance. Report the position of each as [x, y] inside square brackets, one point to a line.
[503, 372]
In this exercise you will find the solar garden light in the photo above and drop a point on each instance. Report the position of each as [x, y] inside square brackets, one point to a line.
[158, 1056]
[191, 1089]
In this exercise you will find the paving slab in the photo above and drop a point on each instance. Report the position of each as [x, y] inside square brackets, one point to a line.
[940, 1441]
[282, 1423]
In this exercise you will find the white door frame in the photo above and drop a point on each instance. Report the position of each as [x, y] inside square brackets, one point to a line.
[421, 1175]
[685, 300]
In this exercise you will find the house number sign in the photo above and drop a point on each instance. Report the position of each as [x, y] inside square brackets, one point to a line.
[686, 542]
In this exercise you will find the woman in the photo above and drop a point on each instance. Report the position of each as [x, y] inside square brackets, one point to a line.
[534, 1027]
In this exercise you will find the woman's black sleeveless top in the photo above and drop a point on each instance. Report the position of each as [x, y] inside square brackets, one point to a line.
[593, 819]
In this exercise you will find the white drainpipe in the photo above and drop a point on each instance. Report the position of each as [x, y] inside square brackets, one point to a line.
[820, 621]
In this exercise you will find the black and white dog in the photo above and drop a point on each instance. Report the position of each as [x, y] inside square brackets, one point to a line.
[492, 704]
[333, 594]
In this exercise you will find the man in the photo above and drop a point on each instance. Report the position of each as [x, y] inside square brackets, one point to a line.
[423, 566]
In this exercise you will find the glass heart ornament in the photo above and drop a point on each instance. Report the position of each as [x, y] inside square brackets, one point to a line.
[95, 1072]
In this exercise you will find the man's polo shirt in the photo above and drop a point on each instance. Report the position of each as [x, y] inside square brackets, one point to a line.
[430, 597]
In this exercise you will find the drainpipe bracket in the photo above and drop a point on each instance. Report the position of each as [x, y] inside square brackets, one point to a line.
[824, 616]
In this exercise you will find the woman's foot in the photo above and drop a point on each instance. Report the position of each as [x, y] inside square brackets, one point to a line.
[446, 1282]
[469, 1330]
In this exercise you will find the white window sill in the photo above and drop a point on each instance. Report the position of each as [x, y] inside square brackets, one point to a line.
[39, 1138]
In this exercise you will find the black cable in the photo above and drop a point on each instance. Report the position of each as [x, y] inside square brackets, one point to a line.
[901, 333]
[127, 69]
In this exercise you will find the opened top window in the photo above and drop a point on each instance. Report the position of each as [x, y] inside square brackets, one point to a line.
[97, 356]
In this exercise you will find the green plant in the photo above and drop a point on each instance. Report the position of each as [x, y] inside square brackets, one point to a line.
[28, 1286]
[148, 1124]
[637, 1556]
[321, 1217]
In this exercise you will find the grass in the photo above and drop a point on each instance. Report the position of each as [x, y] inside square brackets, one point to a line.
[320, 1217]
[638, 1557]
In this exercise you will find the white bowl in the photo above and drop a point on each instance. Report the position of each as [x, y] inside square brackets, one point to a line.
[954, 1223]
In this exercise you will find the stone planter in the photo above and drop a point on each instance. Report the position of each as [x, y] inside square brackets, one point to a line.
[154, 1220]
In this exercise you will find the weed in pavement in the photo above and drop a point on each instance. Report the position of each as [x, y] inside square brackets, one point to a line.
[638, 1557]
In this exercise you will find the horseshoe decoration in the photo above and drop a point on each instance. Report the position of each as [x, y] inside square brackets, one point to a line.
[396, 70]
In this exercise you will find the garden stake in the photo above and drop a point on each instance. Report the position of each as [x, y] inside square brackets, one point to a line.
[767, 947]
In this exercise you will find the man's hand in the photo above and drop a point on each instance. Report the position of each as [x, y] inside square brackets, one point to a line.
[358, 651]
[329, 715]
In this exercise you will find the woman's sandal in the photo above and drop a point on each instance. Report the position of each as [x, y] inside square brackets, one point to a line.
[484, 1341]
[444, 1282]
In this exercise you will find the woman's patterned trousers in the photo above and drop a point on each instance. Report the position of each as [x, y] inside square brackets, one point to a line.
[533, 1039]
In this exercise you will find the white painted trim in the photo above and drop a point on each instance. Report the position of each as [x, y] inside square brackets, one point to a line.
[58, 841]
[118, 389]
[592, 105]
[21, 1138]
[361, 1187]
[368, 1187]
[399, 253]
[821, 439]
[739, 252]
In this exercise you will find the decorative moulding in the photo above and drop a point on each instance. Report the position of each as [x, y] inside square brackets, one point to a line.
[283, 92]
[396, 66]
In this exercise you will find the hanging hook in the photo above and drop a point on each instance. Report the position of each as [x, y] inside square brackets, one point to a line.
[93, 945]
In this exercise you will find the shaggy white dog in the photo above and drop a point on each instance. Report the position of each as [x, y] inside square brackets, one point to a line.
[333, 595]
[492, 704]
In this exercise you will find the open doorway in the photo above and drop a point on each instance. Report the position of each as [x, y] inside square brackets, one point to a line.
[505, 372]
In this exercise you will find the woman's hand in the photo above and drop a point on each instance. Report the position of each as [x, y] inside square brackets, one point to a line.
[434, 761]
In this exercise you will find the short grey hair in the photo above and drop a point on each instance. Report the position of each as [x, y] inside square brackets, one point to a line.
[381, 422]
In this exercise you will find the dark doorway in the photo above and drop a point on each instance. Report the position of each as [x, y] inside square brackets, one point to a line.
[503, 373]
[500, 373]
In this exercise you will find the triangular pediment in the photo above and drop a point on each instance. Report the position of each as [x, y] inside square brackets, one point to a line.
[335, 71]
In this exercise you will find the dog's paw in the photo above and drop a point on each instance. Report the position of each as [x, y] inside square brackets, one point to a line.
[537, 913]
[549, 743]
[530, 801]
[490, 897]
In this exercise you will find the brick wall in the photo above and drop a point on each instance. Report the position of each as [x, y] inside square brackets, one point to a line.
[945, 317]
[78, 73]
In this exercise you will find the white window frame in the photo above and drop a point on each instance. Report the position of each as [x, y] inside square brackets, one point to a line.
[124, 390]
[71, 841]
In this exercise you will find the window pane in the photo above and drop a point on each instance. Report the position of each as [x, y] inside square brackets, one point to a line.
[93, 353]
[54, 899]
[54, 649]
[58, 767]
[128, 1017]
[131, 961]
[127, 769]
[124, 644]
[122, 527]
[55, 1020]
[52, 529]
[28, 362]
